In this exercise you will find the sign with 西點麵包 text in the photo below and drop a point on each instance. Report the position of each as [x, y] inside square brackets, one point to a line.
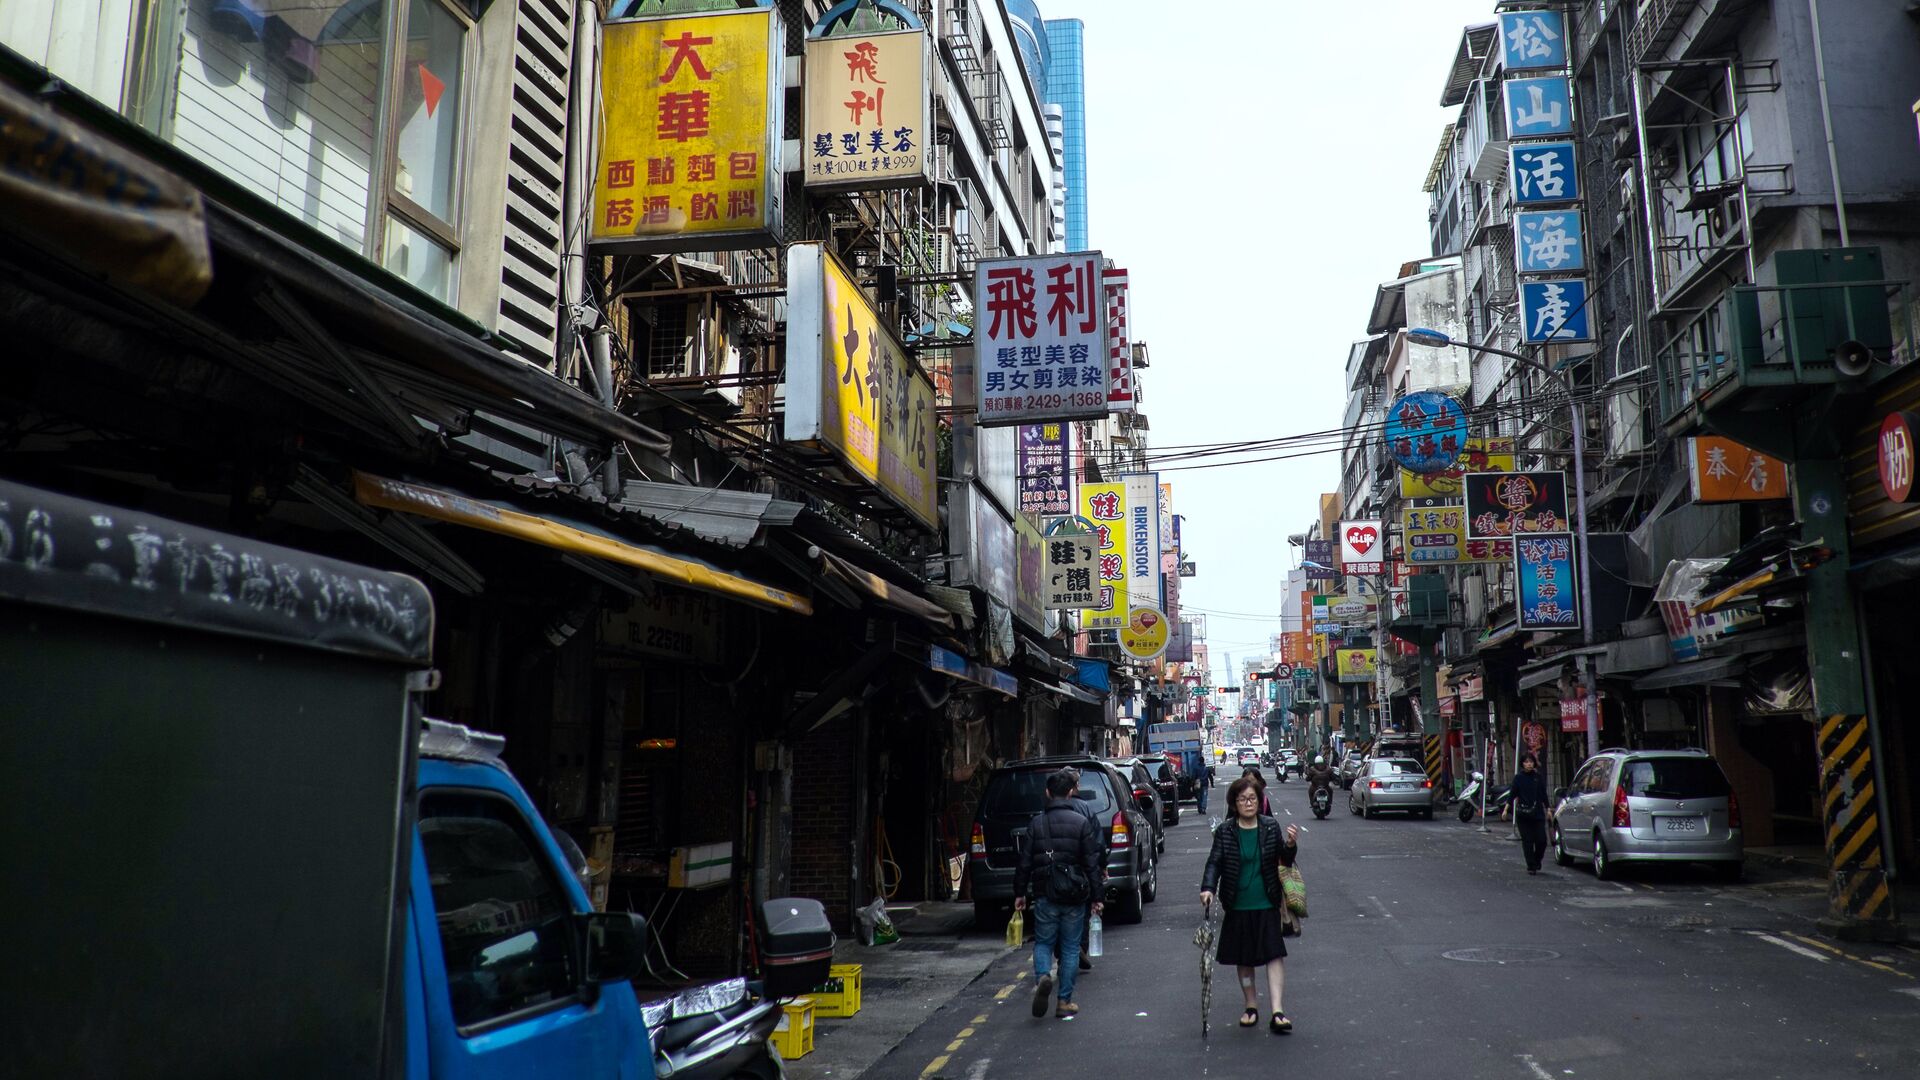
[852, 389]
[1501, 505]
[869, 113]
[1546, 591]
[690, 132]
[1105, 508]
[1040, 338]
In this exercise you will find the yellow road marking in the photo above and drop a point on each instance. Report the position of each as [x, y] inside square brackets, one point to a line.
[955, 1045]
[935, 1065]
[981, 1019]
[1007, 991]
[1875, 964]
[965, 1033]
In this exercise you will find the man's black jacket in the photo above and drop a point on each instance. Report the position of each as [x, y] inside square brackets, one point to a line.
[1071, 835]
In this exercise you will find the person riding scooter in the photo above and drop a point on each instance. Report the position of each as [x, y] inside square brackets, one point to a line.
[1319, 778]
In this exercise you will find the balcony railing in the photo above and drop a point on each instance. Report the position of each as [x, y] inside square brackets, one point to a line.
[1776, 338]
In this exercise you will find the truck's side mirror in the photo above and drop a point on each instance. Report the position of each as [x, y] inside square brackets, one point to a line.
[616, 945]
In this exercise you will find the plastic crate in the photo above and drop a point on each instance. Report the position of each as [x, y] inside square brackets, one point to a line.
[793, 1037]
[839, 996]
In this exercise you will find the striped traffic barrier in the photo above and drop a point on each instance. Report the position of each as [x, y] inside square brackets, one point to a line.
[1858, 887]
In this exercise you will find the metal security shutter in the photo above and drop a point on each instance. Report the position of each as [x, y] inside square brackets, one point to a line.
[536, 168]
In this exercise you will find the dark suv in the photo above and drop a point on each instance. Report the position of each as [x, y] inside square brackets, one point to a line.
[1146, 794]
[1017, 791]
[1166, 780]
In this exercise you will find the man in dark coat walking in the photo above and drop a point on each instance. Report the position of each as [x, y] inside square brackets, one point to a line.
[1060, 841]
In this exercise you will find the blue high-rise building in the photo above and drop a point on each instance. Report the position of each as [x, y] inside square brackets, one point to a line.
[1067, 88]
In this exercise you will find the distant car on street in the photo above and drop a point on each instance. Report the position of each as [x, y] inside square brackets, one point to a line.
[1397, 784]
[1648, 806]
[1166, 781]
[1136, 774]
[1351, 767]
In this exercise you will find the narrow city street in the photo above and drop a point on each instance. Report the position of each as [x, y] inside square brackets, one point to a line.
[1430, 952]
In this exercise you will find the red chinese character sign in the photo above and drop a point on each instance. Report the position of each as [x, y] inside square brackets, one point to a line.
[1502, 505]
[1895, 455]
[1040, 338]
[869, 113]
[690, 133]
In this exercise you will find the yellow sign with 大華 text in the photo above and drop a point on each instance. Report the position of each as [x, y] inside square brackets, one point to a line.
[1105, 505]
[690, 132]
[853, 389]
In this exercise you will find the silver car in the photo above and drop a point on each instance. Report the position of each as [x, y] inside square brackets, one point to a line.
[1392, 784]
[1649, 806]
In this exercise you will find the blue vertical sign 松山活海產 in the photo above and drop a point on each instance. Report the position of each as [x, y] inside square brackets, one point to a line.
[1532, 40]
[1539, 108]
[1548, 593]
[1549, 241]
[1544, 173]
[1554, 311]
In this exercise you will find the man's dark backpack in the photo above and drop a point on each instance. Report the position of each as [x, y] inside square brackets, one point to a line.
[1063, 883]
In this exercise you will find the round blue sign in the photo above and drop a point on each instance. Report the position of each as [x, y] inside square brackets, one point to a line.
[1426, 431]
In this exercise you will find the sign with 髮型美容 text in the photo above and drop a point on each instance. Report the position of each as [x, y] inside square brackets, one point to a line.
[868, 111]
[1040, 338]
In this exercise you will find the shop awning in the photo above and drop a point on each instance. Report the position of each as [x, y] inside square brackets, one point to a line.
[443, 504]
[1542, 675]
[883, 592]
[1696, 673]
[1066, 690]
[948, 662]
[1497, 636]
[1035, 655]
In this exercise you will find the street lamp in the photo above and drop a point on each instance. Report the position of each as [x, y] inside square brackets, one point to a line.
[1434, 339]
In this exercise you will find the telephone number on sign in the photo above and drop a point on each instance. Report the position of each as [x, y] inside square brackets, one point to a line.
[1055, 401]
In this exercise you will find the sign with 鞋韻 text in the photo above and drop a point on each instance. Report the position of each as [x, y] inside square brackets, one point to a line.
[1072, 570]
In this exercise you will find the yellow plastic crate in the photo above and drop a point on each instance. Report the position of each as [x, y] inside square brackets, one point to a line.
[794, 1035]
[839, 996]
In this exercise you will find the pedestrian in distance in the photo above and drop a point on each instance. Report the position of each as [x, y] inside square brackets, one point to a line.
[1062, 868]
[1243, 868]
[1528, 808]
[1086, 962]
[1260, 783]
[1203, 787]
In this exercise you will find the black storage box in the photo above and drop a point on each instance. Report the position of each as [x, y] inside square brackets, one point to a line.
[798, 942]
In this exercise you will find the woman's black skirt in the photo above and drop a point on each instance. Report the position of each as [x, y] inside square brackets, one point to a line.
[1251, 938]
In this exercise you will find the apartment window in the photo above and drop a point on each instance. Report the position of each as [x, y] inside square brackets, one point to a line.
[423, 193]
[348, 114]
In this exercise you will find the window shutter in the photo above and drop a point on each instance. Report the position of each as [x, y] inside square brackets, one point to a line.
[536, 171]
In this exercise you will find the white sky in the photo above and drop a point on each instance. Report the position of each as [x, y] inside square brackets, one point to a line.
[1256, 166]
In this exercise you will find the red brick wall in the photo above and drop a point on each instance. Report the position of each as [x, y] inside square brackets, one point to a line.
[823, 812]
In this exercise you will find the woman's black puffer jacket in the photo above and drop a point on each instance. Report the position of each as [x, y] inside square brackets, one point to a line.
[1222, 875]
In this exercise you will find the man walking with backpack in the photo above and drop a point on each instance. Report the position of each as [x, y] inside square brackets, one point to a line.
[1062, 867]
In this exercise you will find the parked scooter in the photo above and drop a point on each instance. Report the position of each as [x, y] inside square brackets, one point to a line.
[1497, 798]
[1321, 798]
[719, 1030]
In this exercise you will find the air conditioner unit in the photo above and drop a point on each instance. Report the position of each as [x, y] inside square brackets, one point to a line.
[690, 340]
[1473, 599]
[1626, 429]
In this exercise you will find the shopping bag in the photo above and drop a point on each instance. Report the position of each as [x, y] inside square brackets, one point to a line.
[1294, 887]
[1016, 931]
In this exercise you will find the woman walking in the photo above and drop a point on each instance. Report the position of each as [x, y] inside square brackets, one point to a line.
[1260, 783]
[1529, 810]
[1249, 849]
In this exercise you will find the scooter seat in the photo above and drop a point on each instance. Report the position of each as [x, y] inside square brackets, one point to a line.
[680, 1032]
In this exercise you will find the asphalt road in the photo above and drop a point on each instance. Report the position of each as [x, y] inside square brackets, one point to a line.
[1430, 952]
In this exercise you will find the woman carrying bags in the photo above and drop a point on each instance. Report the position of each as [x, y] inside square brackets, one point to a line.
[1249, 849]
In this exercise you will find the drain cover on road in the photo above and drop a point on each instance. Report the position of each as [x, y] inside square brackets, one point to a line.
[1502, 954]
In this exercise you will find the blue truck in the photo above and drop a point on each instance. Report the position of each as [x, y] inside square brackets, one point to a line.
[237, 848]
[1185, 742]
